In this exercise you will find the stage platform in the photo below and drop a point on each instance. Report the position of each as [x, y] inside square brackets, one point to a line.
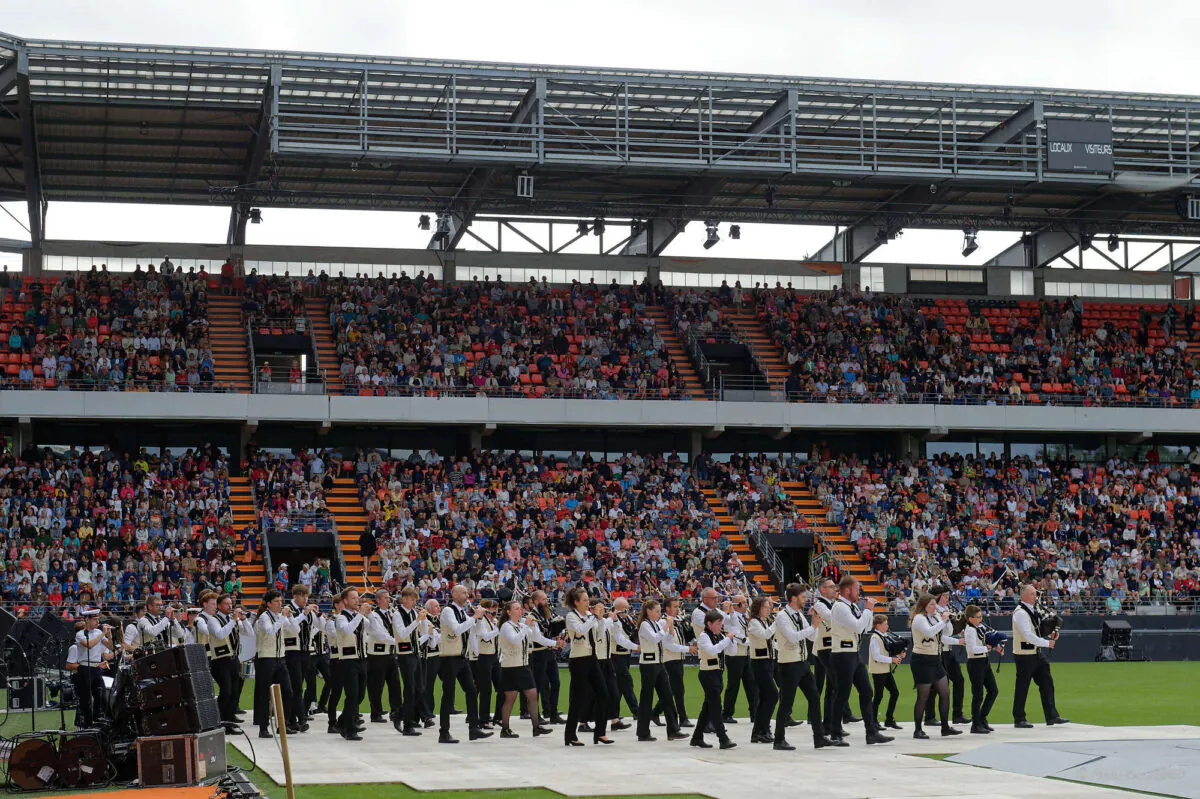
[630, 768]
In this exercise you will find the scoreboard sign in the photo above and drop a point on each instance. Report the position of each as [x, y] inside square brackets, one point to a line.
[1079, 146]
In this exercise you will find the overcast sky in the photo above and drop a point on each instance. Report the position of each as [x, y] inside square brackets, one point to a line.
[1130, 45]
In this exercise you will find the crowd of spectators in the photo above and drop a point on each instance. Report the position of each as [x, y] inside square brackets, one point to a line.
[404, 335]
[147, 330]
[637, 526]
[289, 488]
[273, 302]
[751, 486]
[82, 526]
[1096, 535]
[852, 346]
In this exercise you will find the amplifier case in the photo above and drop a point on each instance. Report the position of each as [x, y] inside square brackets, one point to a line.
[166, 760]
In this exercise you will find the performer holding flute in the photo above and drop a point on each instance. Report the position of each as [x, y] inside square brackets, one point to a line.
[713, 643]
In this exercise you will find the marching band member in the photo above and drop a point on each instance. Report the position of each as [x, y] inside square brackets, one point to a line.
[589, 692]
[350, 626]
[760, 635]
[673, 661]
[849, 623]
[431, 640]
[950, 662]
[93, 648]
[222, 656]
[457, 626]
[618, 641]
[653, 641]
[244, 644]
[604, 646]
[737, 663]
[929, 674]
[712, 644]
[485, 663]
[880, 665]
[792, 670]
[983, 682]
[709, 599]
[823, 650]
[296, 650]
[382, 668]
[409, 618]
[274, 620]
[1032, 663]
[517, 634]
[130, 637]
[152, 629]
[622, 657]
[541, 660]
[318, 666]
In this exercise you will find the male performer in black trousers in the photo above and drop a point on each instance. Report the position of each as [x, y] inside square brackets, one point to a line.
[822, 650]
[849, 623]
[408, 658]
[332, 692]
[382, 668]
[296, 651]
[351, 633]
[544, 664]
[428, 665]
[622, 659]
[1033, 665]
[457, 625]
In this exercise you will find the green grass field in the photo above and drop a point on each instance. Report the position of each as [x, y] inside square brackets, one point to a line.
[1106, 694]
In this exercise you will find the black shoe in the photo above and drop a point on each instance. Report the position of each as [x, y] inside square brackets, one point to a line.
[293, 731]
[303, 727]
[606, 741]
[841, 735]
[232, 729]
[728, 744]
[264, 733]
[979, 729]
[444, 738]
[960, 719]
[851, 719]
[321, 711]
[761, 738]
[989, 727]
[794, 723]
[410, 732]
[658, 722]
[456, 712]
[619, 725]
[478, 735]
[876, 738]
[1057, 720]
[700, 743]
[576, 742]
[821, 743]
[334, 729]
[931, 721]
[1023, 725]
[541, 731]
[646, 738]
[728, 720]
[505, 732]
[497, 721]
[783, 746]
[685, 723]
[677, 736]
[557, 719]
[921, 735]
[483, 725]
[352, 736]
[379, 719]
[427, 723]
[947, 731]
[525, 715]
[892, 725]
[585, 727]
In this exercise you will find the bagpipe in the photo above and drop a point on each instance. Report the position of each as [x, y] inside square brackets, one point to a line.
[894, 644]
[1048, 620]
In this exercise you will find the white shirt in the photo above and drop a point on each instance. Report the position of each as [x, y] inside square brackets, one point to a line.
[1023, 630]
[90, 647]
[698, 617]
[580, 627]
[846, 626]
[974, 643]
[616, 631]
[878, 653]
[925, 632]
[452, 629]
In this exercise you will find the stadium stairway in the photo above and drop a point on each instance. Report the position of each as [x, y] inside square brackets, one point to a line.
[815, 513]
[316, 310]
[351, 520]
[692, 383]
[231, 356]
[753, 567]
[254, 573]
[758, 340]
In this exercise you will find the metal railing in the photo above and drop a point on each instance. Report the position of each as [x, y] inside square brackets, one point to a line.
[699, 358]
[1043, 400]
[8, 383]
[253, 360]
[289, 325]
[746, 388]
[768, 554]
[322, 521]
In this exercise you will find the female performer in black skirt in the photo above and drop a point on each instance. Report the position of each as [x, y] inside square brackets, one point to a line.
[516, 634]
[929, 674]
[589, 691]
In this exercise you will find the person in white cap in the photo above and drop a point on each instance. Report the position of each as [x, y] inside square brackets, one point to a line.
[92, 644]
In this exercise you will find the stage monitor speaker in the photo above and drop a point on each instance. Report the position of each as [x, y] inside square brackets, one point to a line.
[58, 627]
[181, 759]
[1116, 633]
[24, 693]
[186, 718]
[172, 662]
[189, 688]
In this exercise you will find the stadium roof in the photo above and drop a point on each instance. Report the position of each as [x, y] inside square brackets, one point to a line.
[141, 123]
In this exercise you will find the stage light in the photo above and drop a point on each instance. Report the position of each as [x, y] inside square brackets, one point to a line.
[969, 243]
[1114, 243]
[735, 232]
[713, 236]
[423, 222]
[1085, 241]
[255, 216]
[582, 228]
[598, 226]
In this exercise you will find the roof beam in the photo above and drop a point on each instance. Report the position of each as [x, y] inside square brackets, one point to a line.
[856, 242]
[31, 167]
[1038, 249]
[256, 153]
[1187, 262]
[469, 197]
[8, 77]
[661, 230]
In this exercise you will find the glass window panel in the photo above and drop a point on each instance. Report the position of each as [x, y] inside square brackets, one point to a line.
[1123, 291]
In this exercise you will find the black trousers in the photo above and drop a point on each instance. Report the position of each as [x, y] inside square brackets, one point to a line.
[382, 670]
[711, 711]
[318, 666]
[545, 675]
[827, 682]
[267, 672]
[958, 687]
[90, 690]
[589, 698]
[333, 689]
[791, 676]
[297, 667]
[739, 673]
[768, 694]
[885, 682]
[486, 671]
[654, 678]
[983, 688]
[1036, 669]
[621, 665]
[429, 673]
[409, 668]
[354, 685]
[225, 675]
[456, 669]
[850, 672]
[674, 669]
[611, 710]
